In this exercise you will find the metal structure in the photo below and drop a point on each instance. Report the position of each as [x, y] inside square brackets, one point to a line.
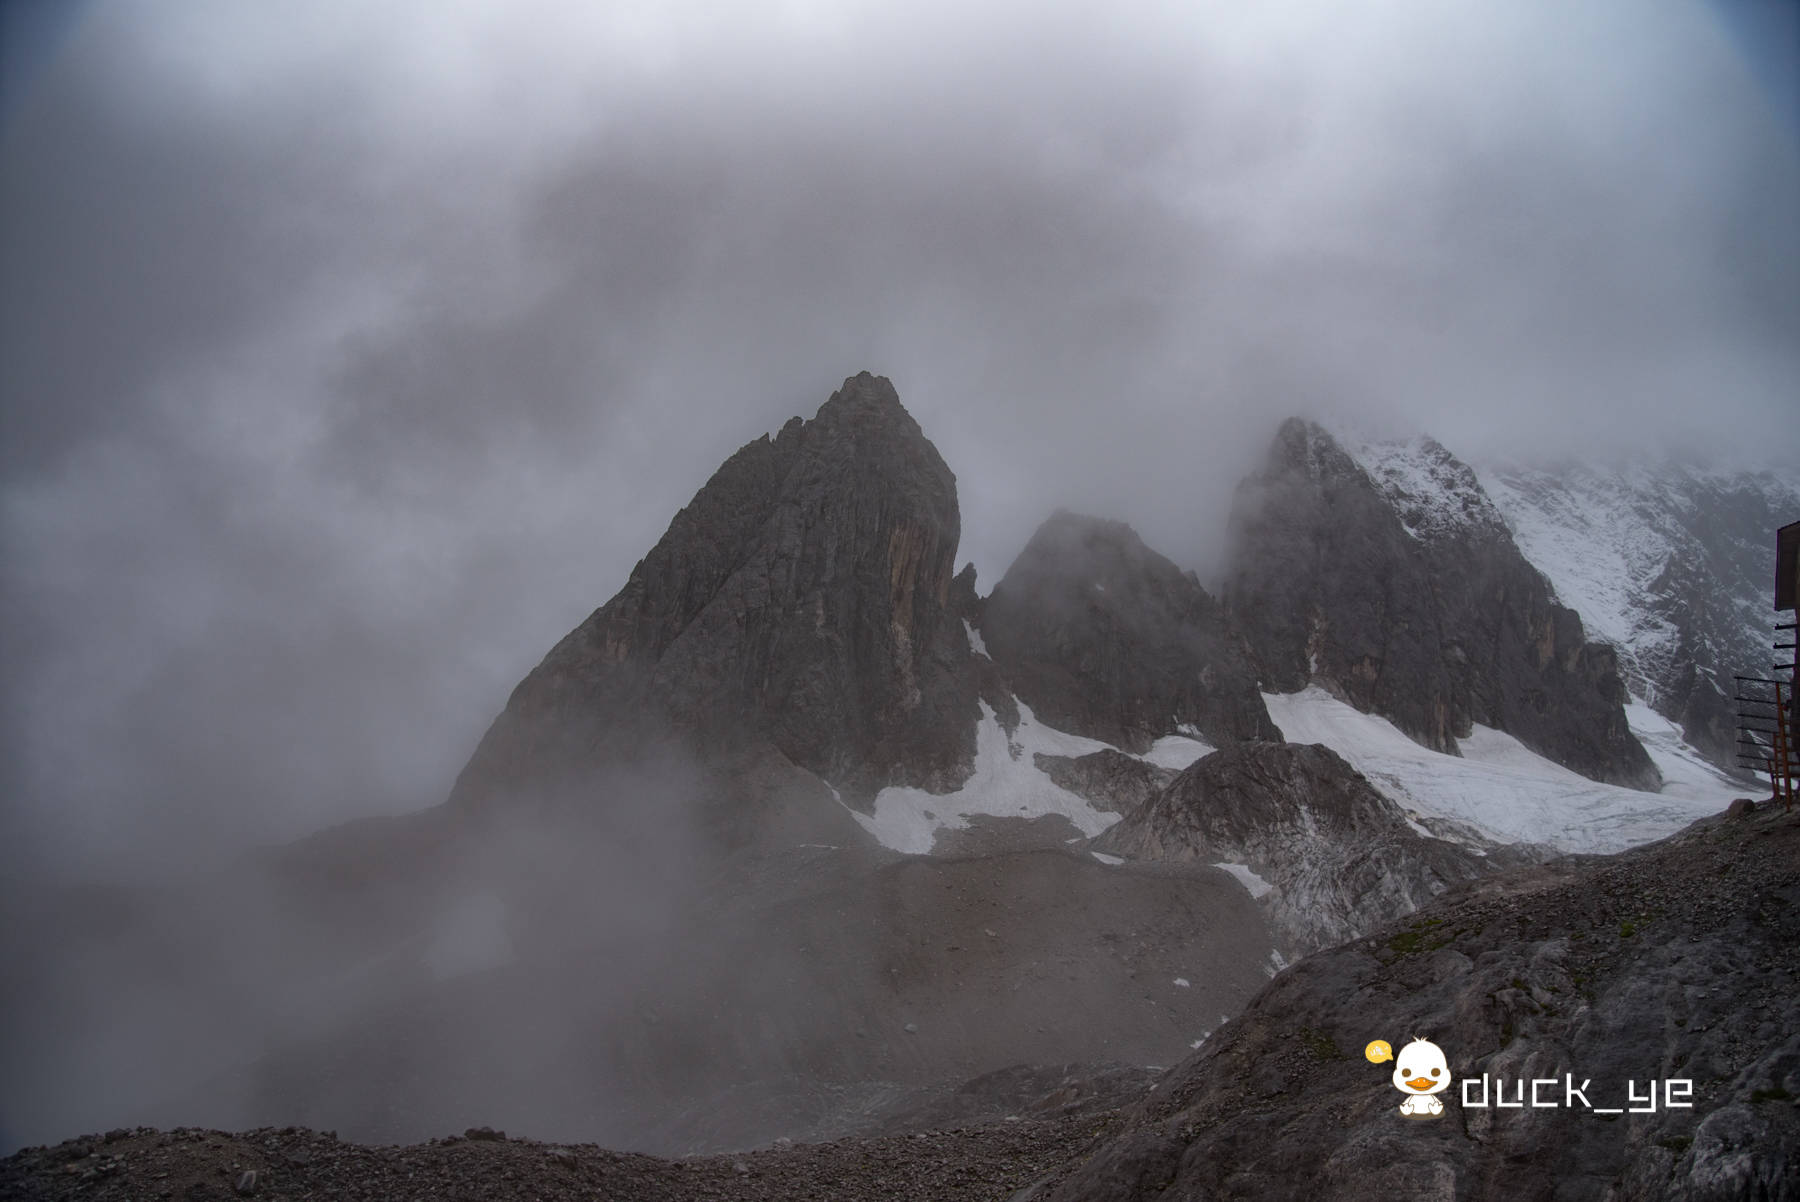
[1766, 704]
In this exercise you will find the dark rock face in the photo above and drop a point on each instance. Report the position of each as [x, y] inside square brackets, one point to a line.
[1103, 637]
[1672, 962]
[1407, 596]
[1341, 858]
[1109, 780]
[800, 598]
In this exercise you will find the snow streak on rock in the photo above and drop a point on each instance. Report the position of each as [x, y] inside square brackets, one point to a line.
[1255, 884]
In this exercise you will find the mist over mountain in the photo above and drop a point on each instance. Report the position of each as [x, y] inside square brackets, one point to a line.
[481, 647]
[1103, 637]
[331, 346]
[801, 837]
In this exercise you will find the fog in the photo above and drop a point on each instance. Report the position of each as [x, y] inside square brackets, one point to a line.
[352, 356]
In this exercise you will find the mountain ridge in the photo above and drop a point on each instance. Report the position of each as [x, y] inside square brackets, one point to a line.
[1342, 574]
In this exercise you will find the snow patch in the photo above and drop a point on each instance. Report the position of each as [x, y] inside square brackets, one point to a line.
[1249, 880]
[975, 642]
[1181, 982]
[1106, 859]
[1500, 788]
[1177, 751]
[1002, 785]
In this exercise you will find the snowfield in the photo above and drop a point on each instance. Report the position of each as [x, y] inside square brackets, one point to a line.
[1605, 538]
[1497, 791]
[1503, 790]
[1006, 784]
[1178, 751]
[1248, 879]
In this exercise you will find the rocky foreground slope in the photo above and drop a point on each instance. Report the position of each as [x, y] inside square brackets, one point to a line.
[1678, 962]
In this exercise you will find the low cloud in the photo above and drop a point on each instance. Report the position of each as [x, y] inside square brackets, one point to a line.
[353, 355]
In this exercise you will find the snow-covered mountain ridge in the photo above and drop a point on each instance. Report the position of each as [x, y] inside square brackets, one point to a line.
[1671, 564]
[1385, 575]
[1435, 494]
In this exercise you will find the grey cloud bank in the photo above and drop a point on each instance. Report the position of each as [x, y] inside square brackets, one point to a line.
[351, 357]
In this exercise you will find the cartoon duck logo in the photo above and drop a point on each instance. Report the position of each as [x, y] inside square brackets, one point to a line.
[1420, 1071]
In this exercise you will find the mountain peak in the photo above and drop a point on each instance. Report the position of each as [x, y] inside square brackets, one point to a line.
[1104, 637]
[863, 398]
[1395, 583]
[1304, 445]
[1436, 494]
[801, 599]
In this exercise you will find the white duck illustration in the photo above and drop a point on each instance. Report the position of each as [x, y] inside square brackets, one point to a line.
[1420, 1071]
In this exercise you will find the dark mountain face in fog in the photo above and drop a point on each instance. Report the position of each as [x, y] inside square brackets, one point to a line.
[665, 905]
[800, 597]
[1102, 636]
[1406, 594]
[353, 355]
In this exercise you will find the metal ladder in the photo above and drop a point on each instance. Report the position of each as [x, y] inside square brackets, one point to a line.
[1766, 725]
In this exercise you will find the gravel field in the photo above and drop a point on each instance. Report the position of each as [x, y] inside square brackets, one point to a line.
[989, 1162]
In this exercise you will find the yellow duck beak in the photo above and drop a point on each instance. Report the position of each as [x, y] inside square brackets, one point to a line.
[1419, 1083]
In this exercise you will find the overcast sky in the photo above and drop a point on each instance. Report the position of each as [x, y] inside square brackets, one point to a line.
[353, 353]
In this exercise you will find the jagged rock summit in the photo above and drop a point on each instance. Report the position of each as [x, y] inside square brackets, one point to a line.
[1103, 637]
[1395, 584]
[799, 598]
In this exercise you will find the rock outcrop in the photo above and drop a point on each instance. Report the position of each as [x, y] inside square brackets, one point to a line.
[1397, 586]
[1609, 977]
[1103, 637]
[1339, 859]
[801, 598]
[1109, 780]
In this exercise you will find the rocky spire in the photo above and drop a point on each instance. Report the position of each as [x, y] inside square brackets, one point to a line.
[799, 599]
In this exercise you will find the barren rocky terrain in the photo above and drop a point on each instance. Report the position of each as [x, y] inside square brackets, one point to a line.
[1678, 961]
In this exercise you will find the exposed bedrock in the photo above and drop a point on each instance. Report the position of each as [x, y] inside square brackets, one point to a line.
[1412, 601]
